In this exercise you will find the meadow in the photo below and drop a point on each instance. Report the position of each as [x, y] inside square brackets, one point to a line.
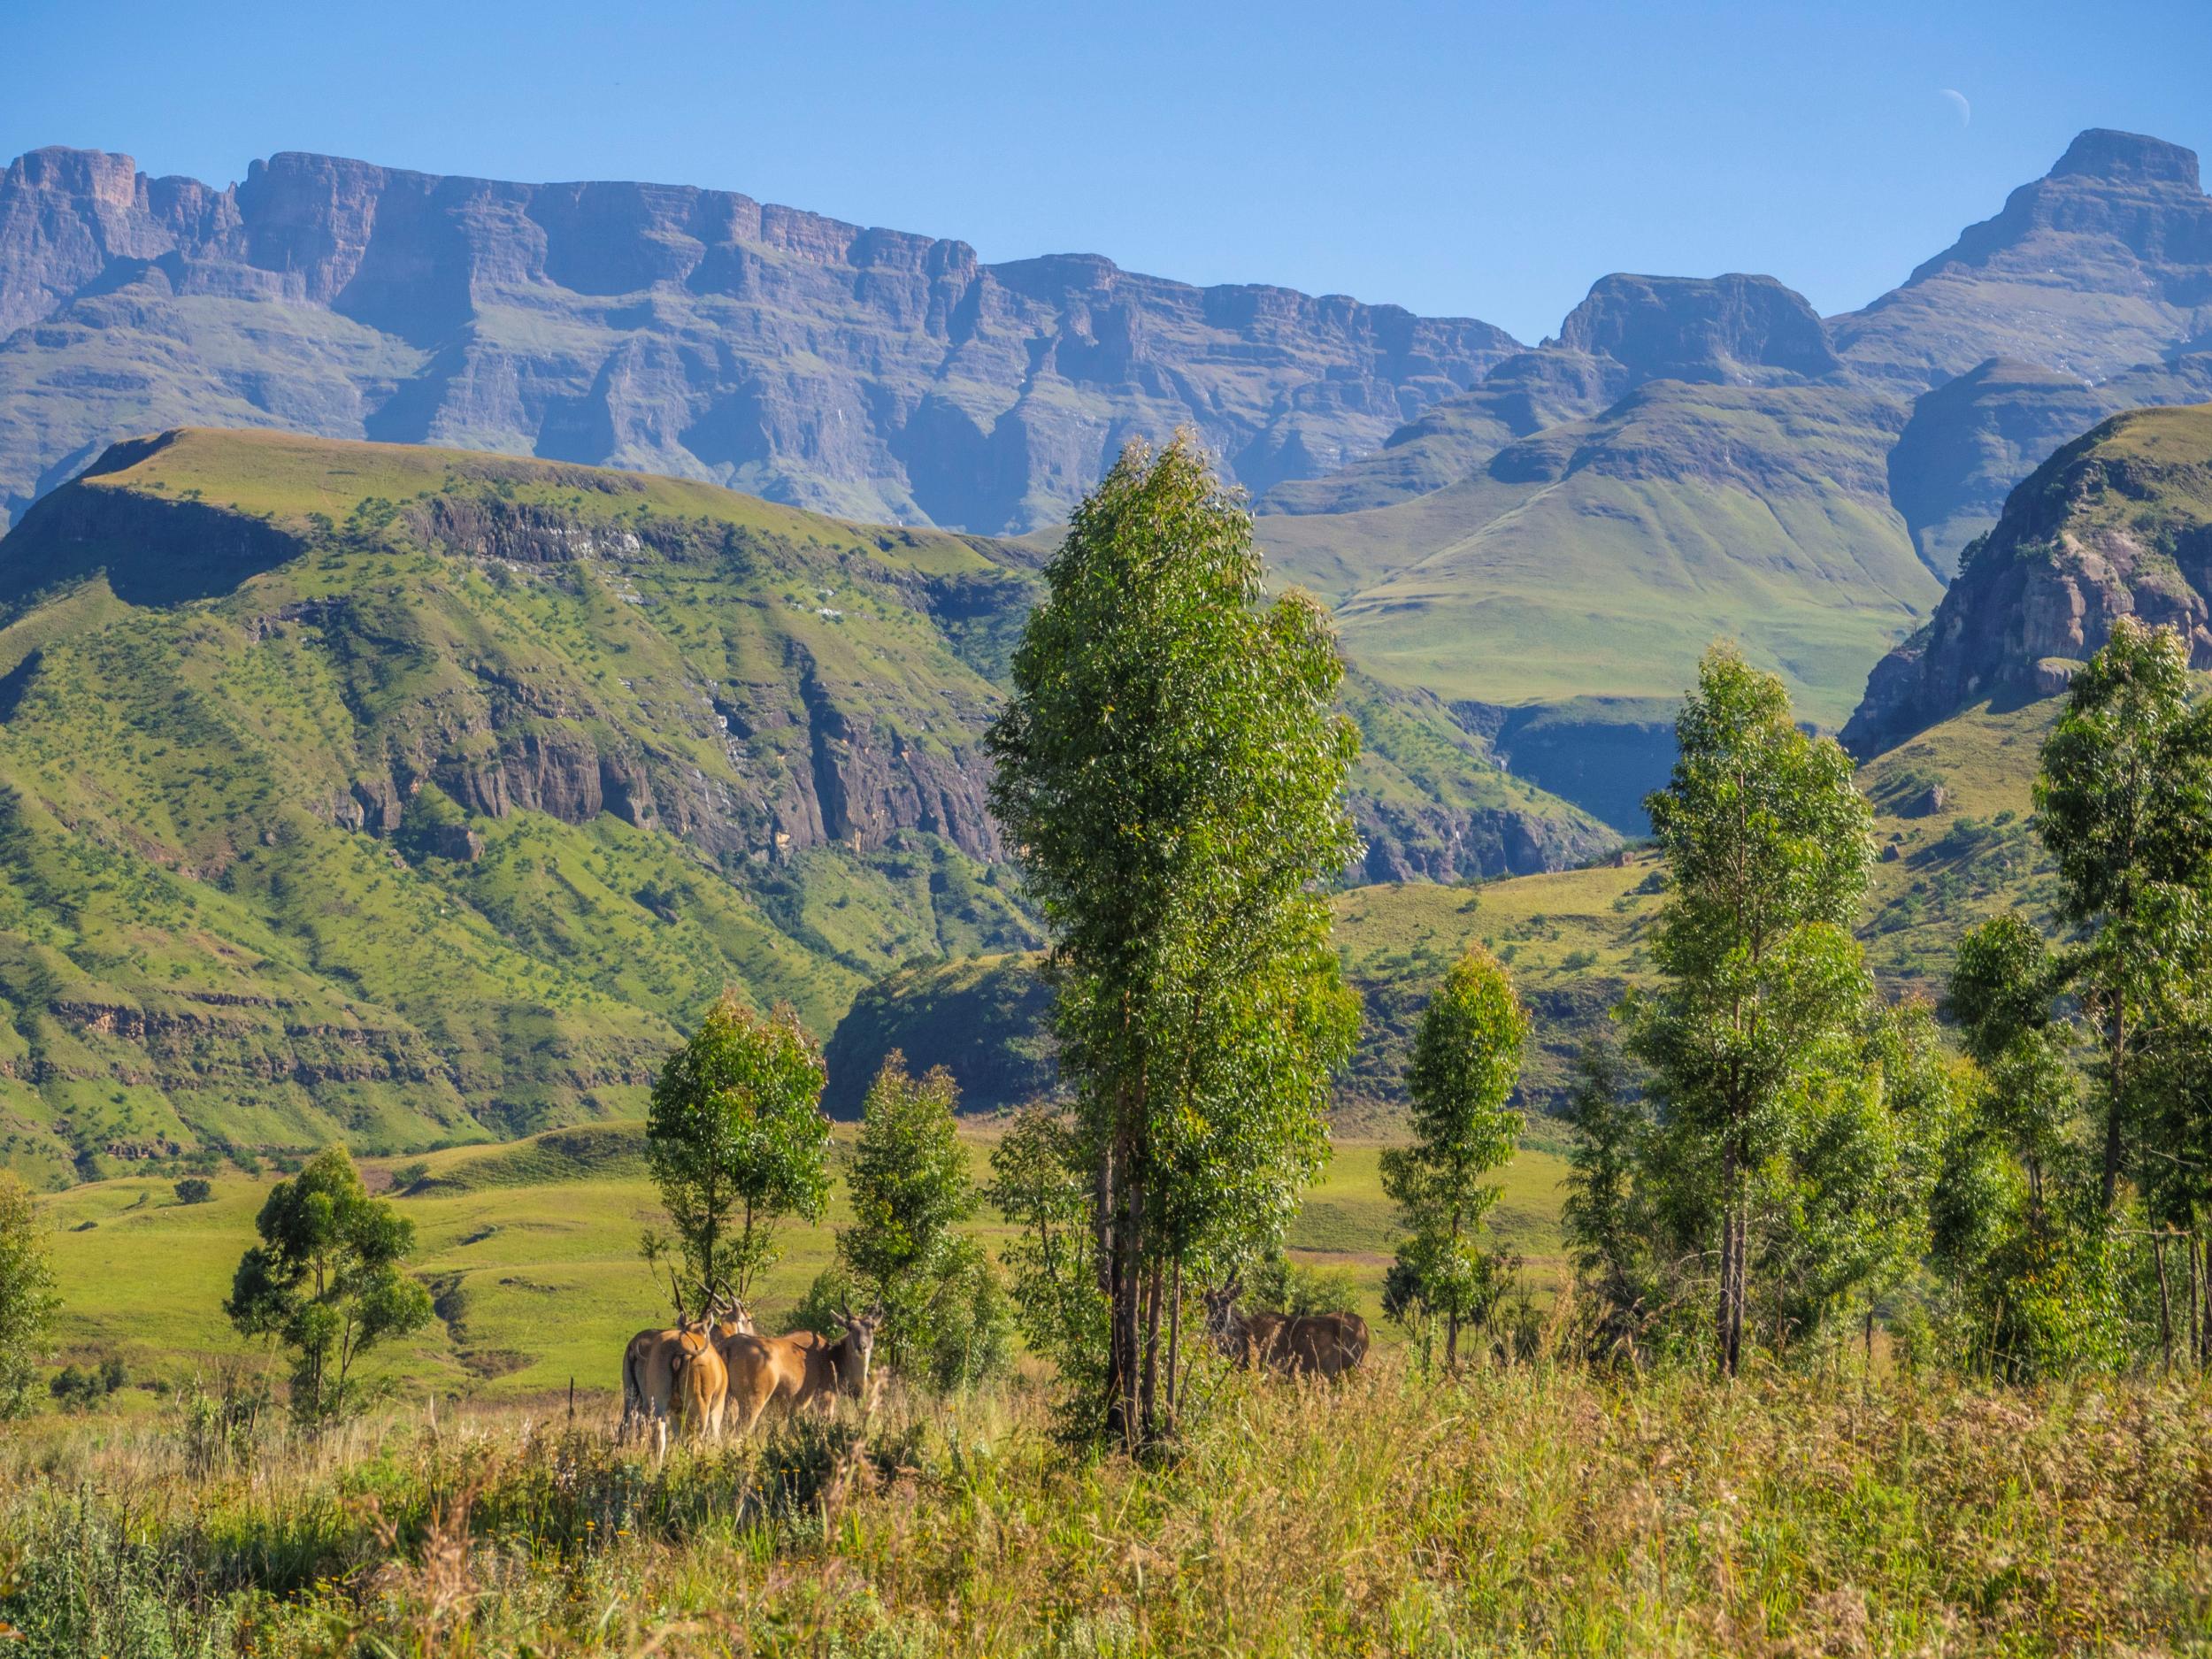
[1511, 1510]
[531, 1252]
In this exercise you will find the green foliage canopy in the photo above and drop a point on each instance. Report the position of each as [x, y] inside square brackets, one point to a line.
[1170, 773]
[28, 1298]
[944, 1309]
[736, 1140]
[327, 1282]
[1768, 844]
[1466, 1061]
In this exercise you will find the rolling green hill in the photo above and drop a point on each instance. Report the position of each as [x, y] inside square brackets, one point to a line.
[409, 796]
[1951, 824]
[1568, 587]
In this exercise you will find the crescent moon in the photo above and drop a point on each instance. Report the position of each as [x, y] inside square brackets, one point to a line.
[1958, 101]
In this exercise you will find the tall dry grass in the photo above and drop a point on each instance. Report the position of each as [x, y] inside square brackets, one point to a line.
[1511, 1511]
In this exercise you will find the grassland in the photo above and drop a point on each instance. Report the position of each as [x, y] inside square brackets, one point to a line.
[1508, 1510]
[531, 1249]
[1600, 558]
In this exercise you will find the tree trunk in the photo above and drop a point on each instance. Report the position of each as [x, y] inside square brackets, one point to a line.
[1102, 1220]
[2119, 1029]
[1175, 1342]
[1128, 1263]
[1451, 1339]
[2197, 1330]
[1148, 1416]
[2165, 1307]
[1728, 1329]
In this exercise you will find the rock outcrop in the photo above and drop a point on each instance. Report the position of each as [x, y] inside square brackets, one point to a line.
[2103, 264]
[2118, 523]
[697, 333]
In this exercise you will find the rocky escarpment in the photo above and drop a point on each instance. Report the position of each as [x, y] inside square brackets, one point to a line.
[691, 331]
[401, 796]
[2103, 264]
[2118, 523]
[1628, 331]
[1970, 441]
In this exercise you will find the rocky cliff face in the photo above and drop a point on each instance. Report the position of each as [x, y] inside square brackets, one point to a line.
[2104, 264]
[697, 333]
[1629, 332]
[1971, 440]
[2118, 523]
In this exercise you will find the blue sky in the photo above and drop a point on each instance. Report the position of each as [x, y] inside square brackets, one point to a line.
[1474, 160]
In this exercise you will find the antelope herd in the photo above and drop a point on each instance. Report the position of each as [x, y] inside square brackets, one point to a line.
[697, 1372]
[693, 1373]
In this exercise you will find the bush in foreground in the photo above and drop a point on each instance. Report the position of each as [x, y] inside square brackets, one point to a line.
[1508, 1510]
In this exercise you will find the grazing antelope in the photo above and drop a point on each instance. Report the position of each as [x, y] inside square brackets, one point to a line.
[648, 1368]
[798, 1370]
[1302, 1345]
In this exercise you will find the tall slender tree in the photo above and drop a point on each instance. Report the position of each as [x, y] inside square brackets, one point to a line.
[1172, 774]
[1768, 841]
[28, 1299]
[736, 1140]
[2124, 803]
[1466, 1061]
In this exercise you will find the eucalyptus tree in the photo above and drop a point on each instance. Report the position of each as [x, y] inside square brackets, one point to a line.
[2123, 804]
[1170, 773]
[1768, 843]
[911, 1187]
[736, 1140]
[1466, 1062]
[28, 1298]
[328, 1281]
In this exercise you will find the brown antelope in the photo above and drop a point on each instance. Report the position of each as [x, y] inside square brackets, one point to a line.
[1301, 1345]
[701, 1384]
[798, 1370]
[648, 1362]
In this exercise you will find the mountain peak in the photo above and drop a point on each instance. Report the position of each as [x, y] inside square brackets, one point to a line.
[1731, 328]
[2115, 158]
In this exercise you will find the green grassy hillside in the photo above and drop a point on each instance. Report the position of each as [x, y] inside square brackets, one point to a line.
[1600, 558]
[380, 792]
[412, 796]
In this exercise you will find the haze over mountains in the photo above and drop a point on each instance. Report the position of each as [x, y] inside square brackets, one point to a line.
[421, 791]
[1540, 538]
[699, 333]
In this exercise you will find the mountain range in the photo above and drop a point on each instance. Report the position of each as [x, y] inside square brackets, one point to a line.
[698, 333]
[411, 792]
[405, 795]
[1539, 538]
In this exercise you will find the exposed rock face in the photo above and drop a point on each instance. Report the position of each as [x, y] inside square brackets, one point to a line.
[1735, 329]
[2104, 264]
[2118, 523]
[1629, 332]
[1439, 844]
[698, 333]
[1970, 441]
